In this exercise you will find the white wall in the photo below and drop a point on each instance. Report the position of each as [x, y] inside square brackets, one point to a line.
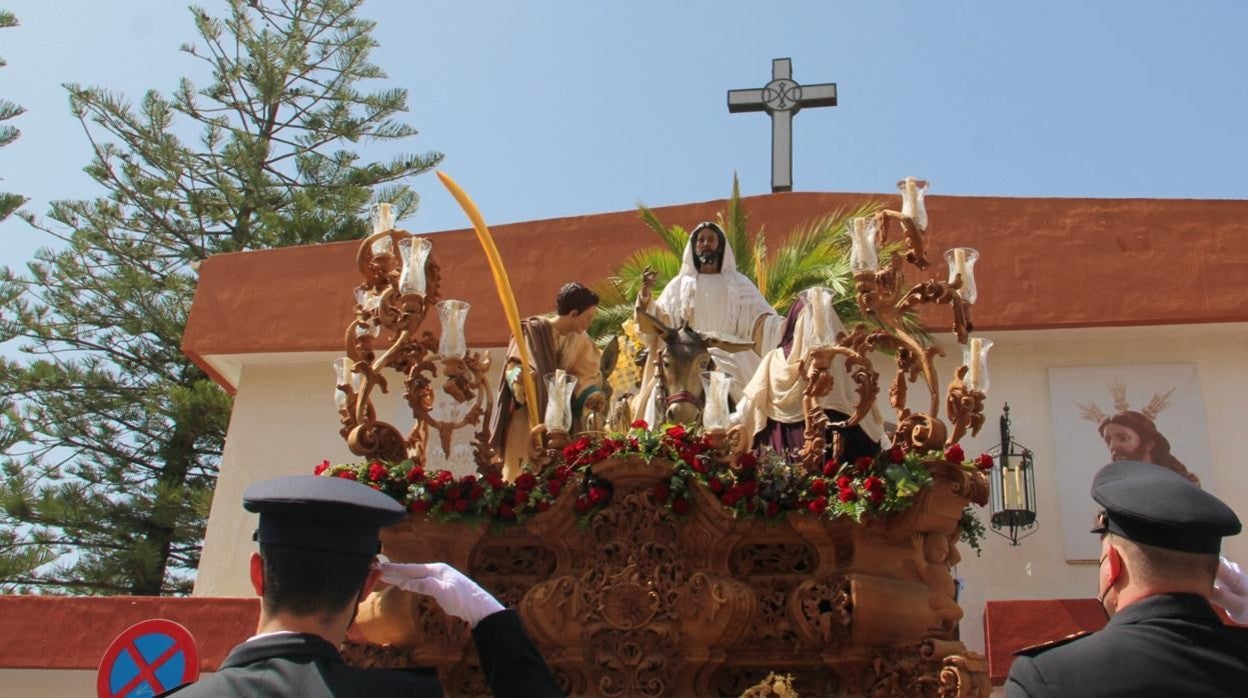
[48, 683]
[1036, 569]
[284, 423]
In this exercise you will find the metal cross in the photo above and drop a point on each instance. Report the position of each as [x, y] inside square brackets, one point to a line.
[782, 98]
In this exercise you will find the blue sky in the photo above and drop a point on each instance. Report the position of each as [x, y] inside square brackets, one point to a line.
[554, 108]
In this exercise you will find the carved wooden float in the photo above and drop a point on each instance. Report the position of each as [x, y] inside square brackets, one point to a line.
[641, 601]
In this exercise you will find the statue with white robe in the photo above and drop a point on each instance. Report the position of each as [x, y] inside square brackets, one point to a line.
[715, 300]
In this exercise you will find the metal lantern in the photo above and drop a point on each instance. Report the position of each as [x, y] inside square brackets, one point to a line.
[1012, 486]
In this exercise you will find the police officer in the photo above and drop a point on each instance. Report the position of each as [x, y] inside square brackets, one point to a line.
[1160, 538]
[318, 544]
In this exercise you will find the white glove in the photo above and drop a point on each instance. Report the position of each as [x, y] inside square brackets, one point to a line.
[458, 595]
[1230, 591]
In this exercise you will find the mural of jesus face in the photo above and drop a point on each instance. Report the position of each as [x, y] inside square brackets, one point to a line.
[1125, 444]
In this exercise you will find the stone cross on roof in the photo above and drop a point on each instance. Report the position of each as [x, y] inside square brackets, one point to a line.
[782, 98]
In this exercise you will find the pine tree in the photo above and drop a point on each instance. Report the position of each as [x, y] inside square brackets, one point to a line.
[111, 437]
[8, 133]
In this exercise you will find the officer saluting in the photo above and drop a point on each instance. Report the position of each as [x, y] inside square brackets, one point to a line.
[318, 545]
[1160, 538]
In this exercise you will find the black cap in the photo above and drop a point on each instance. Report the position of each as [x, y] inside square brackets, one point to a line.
[1154, 505]
[321, 513]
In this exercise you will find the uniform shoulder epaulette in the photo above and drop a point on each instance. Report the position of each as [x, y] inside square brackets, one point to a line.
[1033, 650]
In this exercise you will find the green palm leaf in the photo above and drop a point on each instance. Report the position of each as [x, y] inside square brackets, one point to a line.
[815, 253]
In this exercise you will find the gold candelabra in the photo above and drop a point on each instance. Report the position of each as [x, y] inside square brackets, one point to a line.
[398, 293]
[884, 296]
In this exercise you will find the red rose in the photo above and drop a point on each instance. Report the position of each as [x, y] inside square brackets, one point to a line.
[543, 504]
[863, 464]
[875, 488]
[817, 506]
[452, 493]
[844, 482]
[847, 495]
[676, 431]
[747, 461]
[955, 454]
[461, 505]
[555, 487]
[440, 479]
[321, 467]
[715, 484]
[749, 488]
[729, 498]
[377, 471]
[419, 506]
[347, 475]
[495, 481]
[896, 455]
[698, 465]
[639, 424]
[526, 481]
[830, 468]
[521, 497]
[772, 509]
[661, 491]
[681, 506]
[416, 474]
[984, 462]
[819, 486]
[582, 504]
[505, 511]
[447, 507]
[598, 495]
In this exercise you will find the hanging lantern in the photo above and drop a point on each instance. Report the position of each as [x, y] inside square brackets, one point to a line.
[1013, 487]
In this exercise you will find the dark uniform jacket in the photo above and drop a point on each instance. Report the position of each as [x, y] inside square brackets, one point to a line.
[299, 664]
[1165, 645]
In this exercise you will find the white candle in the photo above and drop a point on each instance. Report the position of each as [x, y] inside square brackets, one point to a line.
[959, 263]
[972, 376]
[912, 207]
[384, 220]
[818, 308]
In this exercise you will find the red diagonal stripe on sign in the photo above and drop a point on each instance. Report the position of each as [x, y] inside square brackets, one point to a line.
[147, 672]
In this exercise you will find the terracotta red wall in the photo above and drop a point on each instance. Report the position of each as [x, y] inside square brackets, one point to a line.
[73, 632]
[1045, 263]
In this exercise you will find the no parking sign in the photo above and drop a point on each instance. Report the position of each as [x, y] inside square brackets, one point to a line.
[146, 659]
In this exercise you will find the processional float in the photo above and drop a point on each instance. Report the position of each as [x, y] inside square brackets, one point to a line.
[634, 569]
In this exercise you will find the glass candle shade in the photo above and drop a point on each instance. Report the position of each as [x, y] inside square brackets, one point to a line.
[560, 387]
[383, 220]
[414, 252]
[715, 389]
[912, 206]
[820, 318]
[975, 358]
[862, 254]
[961, 260]
[341, 368]
[370, 303]
[453, 314]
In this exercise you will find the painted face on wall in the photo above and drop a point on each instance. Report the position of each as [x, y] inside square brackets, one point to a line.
[1125, 444]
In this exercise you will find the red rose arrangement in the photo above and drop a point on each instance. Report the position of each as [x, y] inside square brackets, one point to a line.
[766, 486]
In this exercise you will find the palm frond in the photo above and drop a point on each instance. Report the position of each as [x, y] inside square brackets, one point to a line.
[736, 228]
[673, 237]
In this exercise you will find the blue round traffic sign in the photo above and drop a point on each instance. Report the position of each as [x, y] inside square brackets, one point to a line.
[146, 659]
